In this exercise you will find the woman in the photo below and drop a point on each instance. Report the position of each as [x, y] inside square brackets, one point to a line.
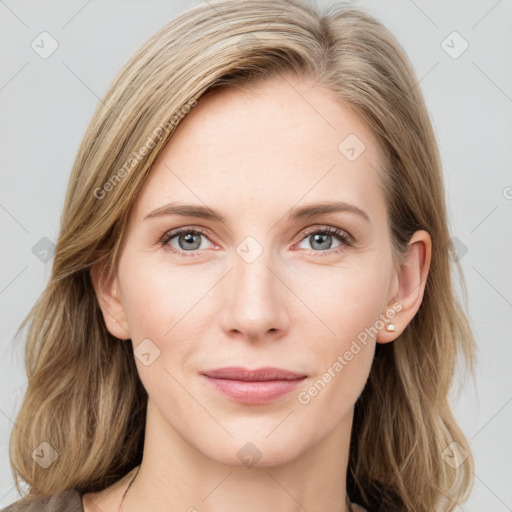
[251, 303]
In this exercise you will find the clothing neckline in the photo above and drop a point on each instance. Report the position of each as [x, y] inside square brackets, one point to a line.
[354, 507]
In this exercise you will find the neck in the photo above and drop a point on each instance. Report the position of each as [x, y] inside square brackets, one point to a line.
[176, 475]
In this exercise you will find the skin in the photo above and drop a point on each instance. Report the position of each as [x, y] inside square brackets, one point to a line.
[252, 155]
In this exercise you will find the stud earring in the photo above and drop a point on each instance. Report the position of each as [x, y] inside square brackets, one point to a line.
[391, 327]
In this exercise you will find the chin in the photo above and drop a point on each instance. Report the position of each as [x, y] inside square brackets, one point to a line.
[255, 451]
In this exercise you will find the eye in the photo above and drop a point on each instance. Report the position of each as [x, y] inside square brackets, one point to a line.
[184, 240]
[321, 240]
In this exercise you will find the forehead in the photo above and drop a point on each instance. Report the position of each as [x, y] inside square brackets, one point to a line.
[280, 143]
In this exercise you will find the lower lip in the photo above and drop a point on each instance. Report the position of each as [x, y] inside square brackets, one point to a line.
[259, 392]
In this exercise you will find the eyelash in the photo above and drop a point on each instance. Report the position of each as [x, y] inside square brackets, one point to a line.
[345, 239]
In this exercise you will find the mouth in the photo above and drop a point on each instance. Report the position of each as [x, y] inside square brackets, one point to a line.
[253, 387]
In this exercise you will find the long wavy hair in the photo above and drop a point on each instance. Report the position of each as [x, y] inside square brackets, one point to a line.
[84, 395]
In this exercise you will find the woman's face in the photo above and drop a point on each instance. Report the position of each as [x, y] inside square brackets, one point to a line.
[269, 285]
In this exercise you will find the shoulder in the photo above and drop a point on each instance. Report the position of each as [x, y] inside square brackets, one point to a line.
[65, 501]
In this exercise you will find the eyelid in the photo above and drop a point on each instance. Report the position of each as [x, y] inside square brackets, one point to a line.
[184, 229]
[346, 238]
[324, 228]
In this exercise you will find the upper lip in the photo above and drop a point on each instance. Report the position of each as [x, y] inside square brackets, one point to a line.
[259, 374]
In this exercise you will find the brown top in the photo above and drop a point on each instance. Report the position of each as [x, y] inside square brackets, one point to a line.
[357, 508]
[65, 501]
[70, 501]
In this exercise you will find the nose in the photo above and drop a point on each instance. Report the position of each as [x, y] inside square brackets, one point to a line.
[253, 300]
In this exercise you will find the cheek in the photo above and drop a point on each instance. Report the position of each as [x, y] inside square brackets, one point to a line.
[164, 305]
[155, 299]
[156, 314]
[145, 307]
[340, 326]
[343, 358]
[343, 300]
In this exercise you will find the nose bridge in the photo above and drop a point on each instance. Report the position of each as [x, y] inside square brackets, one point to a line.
[253, 280]
[255, 304]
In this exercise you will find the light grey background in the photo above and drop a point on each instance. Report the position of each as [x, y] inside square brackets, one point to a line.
[46, 105]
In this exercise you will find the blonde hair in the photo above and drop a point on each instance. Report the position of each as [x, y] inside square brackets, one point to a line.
[84, 395]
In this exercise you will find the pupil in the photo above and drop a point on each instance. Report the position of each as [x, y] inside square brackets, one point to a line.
[189, 238]
[318, 238]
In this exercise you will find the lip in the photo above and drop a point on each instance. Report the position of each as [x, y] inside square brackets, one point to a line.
[253, 387]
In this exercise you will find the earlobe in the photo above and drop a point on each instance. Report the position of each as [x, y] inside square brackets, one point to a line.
[412, 278]
[110, 303]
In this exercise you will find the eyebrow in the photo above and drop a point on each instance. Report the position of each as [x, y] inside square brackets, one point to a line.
[303, 212]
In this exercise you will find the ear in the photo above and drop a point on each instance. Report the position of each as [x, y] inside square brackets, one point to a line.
[109, 298]
[412, 278]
